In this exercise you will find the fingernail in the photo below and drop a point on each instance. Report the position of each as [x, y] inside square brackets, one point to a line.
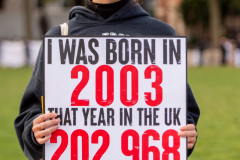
[54, 114]
[179, 134]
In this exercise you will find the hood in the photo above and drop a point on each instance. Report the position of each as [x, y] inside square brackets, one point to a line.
[129, 11]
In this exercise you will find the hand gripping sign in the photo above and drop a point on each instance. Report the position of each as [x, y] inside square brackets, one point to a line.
[121, 98]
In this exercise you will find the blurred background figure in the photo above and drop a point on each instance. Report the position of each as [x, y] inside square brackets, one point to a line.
[227, 51]
[222, 42]
[43, 21]
[27, 52]
[237, 52]
[13, 53]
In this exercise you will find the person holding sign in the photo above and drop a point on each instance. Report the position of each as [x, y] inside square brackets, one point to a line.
[98, 18]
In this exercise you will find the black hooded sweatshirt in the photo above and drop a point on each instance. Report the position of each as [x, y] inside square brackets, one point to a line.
[131, 20]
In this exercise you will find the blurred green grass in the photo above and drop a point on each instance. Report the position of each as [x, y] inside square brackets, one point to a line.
[12, 85]
[217, 91]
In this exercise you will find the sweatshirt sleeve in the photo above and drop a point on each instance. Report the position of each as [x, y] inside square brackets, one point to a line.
[31, 108]
[193, 111]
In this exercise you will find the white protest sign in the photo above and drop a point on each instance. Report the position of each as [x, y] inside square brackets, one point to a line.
[121, 98]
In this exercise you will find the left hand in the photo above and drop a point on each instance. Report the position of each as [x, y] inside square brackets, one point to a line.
[191, 134]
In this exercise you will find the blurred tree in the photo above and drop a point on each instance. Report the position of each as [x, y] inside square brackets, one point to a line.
[208, 14]
[27, 15]
[43, 18]
[195, 12]
[1, 4]
[71, 3]
[215, 22]
[40, 3]
[230, 7]
[79, 2]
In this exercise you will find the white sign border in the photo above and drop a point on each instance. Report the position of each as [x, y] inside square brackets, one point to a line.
[87, 36]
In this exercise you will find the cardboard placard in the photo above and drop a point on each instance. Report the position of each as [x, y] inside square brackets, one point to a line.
[117, 97]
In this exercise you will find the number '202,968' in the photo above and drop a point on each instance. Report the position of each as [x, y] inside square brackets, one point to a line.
[134, 152]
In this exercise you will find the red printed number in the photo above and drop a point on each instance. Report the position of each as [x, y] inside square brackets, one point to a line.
[63, 145]
[134, 152]
[85, 143]
[105, 144]
[123, 85]
[156, 85]
[145, 142]
[99, 86]
[167, 148]
[135, 148]
[74, 145]
[85, 77]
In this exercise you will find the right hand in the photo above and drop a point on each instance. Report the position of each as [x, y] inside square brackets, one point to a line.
[43, 134]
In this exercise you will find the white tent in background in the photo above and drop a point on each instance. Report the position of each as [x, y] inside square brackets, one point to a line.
[34, 47]
[12, 54]
[194, 56]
